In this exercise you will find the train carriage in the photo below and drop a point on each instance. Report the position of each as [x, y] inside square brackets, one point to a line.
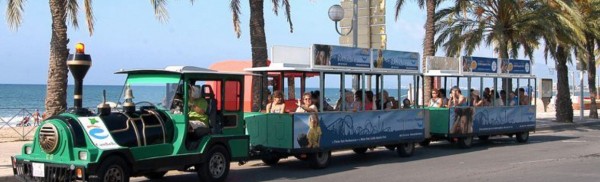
[338, 78]
[492, 108]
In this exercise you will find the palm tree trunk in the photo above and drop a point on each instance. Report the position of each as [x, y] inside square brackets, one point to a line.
[428, 48]
[258, 41]
[564, 107]
[56, 91]
[506, 82]
[591, 74]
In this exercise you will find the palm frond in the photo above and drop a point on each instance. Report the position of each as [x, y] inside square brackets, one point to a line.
[89, 14]
[235, 10]
[14, 13]
[288, 14]
[160, 10]
[72, 9]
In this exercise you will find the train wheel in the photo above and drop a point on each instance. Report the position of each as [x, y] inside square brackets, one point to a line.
[270, 159]
[484, 138]
[425, 143]
[360, 150]
[405, 149]
[523, 137]
[465, 142]
[216, 166]
[113, 169]
[320, 160]
[155, 175]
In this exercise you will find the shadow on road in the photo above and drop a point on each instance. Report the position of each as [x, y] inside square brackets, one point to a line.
[292, 169]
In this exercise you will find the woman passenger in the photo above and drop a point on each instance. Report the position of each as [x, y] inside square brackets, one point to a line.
[277, 105]
[369, 100]
[456, 98]
[308, 105]
[435, 100]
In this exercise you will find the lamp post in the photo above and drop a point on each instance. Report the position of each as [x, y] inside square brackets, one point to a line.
[336, 14]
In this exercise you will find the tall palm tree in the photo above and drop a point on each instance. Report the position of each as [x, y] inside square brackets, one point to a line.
[428, 42]
[590, 10]
[61, 10]
[258, 41]
[506, 25]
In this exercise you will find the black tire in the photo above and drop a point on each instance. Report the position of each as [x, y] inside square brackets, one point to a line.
[405, 149]
[390, 147]
[320, 160]
[425, 143]
[216, 166]
[484, 138]
[523, 137]
[465, 142]
[270, 159]
[155, 175]
[113, 169]
[360, 150]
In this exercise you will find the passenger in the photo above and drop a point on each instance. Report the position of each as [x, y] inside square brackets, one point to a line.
[486, 92]
[442, 94]
[308, 105]
[505, 101]
[277, 106]
[514, 100]
[315, 98]
[199, 124]
[358, 104]
[387, 104]
[456, 98]
[369, 100]
[436, 100]
[406, 103]
[349, 97]
[477, 101]
[523, 99]
[497, 101]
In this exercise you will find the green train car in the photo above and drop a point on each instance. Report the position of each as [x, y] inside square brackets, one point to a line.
[141, 138]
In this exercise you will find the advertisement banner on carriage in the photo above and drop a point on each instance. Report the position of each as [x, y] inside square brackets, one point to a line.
[479, 65]
[503, 119]
[461, 120]
[518, 66]
[344, 129]
[397, 60]
[339, 56]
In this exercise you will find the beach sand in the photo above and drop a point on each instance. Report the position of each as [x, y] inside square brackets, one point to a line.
[8, 134]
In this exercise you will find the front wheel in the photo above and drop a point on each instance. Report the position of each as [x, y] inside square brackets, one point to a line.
[405, 149]
[320, 160]
[523, 137]
[465, 142]
[113, 169]
[216, 166]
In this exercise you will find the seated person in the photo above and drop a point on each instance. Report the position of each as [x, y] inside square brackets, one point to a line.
[406, 103]
[199, 123]
[349, 98]
[307, 105]
[277, 105]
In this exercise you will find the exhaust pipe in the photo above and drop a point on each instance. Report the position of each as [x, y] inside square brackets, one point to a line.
[79, 63]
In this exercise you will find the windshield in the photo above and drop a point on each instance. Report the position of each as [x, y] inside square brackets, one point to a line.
[159, 90]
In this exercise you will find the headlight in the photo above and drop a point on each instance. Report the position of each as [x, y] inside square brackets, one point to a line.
[82, 155]
[28, 150]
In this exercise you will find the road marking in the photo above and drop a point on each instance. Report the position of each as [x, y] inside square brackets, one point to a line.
[573, 141]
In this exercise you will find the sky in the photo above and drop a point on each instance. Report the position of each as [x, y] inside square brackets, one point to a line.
[128, 36]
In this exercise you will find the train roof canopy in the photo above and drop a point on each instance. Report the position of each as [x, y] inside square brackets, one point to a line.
[180, 70]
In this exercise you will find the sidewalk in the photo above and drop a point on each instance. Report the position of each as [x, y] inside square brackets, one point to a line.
[545, 121]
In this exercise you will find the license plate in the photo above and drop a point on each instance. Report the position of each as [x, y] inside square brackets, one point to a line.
[38, 169]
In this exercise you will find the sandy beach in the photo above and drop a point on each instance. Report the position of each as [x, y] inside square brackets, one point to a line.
[8, 134]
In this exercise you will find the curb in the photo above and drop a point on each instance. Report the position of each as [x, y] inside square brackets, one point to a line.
[560, 126]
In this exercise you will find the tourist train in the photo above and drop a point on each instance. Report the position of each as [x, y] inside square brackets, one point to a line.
[322, 99]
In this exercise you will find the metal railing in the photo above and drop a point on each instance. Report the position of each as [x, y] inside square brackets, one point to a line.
[22, 121]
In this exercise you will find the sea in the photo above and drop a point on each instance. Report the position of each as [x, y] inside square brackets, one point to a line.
[20, 100]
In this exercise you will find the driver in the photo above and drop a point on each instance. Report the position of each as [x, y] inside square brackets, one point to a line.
[197, 116]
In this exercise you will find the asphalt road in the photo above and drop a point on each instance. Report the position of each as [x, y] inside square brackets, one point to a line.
[571, 154]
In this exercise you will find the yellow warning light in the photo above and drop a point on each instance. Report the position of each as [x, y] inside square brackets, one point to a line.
[79, 48]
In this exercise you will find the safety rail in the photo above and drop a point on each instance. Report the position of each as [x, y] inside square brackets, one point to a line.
[22, 122]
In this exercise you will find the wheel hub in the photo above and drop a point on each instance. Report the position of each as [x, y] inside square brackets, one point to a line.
[217, 165]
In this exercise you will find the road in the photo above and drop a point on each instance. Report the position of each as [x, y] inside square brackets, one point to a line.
[570, 154]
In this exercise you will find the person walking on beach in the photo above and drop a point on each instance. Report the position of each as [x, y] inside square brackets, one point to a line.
[36, 118]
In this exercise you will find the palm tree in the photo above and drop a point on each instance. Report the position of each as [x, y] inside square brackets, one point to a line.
[258, 41]
[61, 10]
[590, 10]
[428, 42]
[507, 25]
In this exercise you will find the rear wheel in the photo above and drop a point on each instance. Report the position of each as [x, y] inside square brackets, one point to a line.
[465, 142]
[216, 166]
[155, 175]
[523, 137]
[360, 150]
[113, 169]
[320, 160]
[405, 149]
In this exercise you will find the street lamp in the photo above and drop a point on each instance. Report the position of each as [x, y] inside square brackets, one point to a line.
[336, 13]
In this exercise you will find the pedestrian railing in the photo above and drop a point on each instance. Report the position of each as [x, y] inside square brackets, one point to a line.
[20, 121]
